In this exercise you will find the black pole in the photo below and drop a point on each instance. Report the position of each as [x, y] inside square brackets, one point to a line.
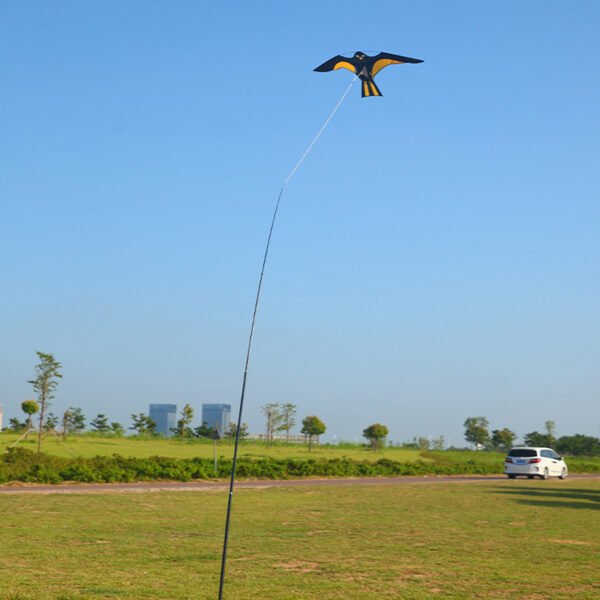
[239, 423]
[262, 273]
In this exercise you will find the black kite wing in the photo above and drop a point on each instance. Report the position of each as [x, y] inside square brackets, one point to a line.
[337, 62]
[383, 59]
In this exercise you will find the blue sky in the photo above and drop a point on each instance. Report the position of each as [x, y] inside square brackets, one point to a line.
[435, 257]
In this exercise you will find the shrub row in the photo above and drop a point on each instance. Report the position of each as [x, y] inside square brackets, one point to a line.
[23, 465]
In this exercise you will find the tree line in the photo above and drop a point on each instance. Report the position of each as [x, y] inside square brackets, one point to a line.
[279, 417]
[501, 440]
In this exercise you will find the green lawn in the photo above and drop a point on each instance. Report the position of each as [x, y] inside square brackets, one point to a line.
[88, 446]
[506, 539]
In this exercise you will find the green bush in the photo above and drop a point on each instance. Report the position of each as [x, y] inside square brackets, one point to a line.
[20, 464]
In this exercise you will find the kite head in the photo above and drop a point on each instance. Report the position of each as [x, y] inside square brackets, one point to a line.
[360, 55]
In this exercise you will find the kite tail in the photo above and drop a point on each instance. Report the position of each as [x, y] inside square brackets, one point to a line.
[370, 89]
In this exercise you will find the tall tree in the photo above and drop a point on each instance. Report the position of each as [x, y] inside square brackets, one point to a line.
[100, 423]
[312, 427]
[476, 431]
[274, 416]
[65, 423]
[183, 425]
[503, 439]
[551, 432]
[142, 424]
[29, 407]
[47, 372]
[288, 418]
[376, 434]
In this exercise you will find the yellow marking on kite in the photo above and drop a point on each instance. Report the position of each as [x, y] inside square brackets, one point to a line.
[384, 62]
[374, 88]
[344, 65]
[366, 90]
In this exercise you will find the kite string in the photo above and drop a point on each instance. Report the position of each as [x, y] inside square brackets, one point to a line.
[253, 323]
[293, 171]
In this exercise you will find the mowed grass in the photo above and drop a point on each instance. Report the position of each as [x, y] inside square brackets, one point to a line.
[89, 446]
[503, 539]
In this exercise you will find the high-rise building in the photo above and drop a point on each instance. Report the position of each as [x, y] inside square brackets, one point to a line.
[165, 417]
[217, 415]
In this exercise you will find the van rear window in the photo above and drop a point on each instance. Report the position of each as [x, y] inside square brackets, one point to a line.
[522, 452]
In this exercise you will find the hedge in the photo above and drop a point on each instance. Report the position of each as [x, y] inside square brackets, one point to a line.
[19, 464]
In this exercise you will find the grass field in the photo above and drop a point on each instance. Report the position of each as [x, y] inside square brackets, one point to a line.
[507, 539]
[88, 446]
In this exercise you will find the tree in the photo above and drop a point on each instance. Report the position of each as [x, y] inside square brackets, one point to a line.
[29, 407]
[16, 425]
[503, 439]
[535, 438]
[143, 424]
[550, 427]
[187, 415]
[204, 431]
[422, 443]
[438, 443]
[46, 374]
[288, 418]
[476, 431]
[312, 426]
[73, 420]
[100, 423]
[272, 412]
[232, 431]
[65, 420]
[117, 429]
[375, 434]
[548, 439]
[579, 445]
[51, 422]
[412, 444]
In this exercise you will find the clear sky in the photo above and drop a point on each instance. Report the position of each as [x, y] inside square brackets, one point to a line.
[436, 256]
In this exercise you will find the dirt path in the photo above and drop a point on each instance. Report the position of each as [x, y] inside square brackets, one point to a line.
[220, 486]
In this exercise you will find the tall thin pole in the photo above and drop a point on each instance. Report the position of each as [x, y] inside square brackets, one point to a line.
[251, 335]
[244, 381]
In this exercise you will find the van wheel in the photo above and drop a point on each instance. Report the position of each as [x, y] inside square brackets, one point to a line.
[563, 474]
[511, 476]
[545, 475]
[529, 476]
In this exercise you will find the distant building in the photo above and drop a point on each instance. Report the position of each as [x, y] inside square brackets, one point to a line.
[217, 415]
[165, 417]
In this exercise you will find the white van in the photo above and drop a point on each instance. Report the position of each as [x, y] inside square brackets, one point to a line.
[534, 462]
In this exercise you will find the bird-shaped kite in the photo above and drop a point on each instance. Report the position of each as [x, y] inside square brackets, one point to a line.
[366, 67]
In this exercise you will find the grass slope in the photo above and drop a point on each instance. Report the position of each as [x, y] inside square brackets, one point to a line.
[88, 446]
[525, 539]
